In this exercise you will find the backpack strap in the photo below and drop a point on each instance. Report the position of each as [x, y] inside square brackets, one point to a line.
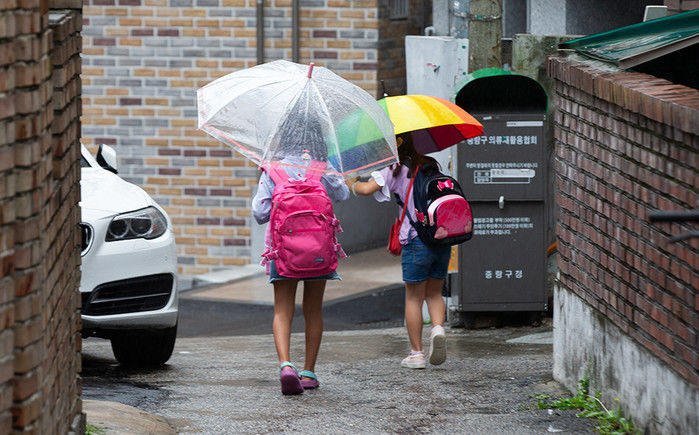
[419, 215]
[407, 195]
[315, 170]
[276, 173]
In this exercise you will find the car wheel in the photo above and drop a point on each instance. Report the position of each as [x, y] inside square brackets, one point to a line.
[144, 348]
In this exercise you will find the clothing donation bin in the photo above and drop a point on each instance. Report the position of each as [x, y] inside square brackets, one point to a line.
[503, 174]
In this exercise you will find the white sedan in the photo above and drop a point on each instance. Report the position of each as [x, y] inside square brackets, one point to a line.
[129, 265]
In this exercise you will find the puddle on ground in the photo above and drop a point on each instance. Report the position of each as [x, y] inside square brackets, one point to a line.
[238, 382]
[539, 338]
[105, 379]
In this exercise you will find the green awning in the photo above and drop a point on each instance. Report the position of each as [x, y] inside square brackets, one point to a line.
[632, 45]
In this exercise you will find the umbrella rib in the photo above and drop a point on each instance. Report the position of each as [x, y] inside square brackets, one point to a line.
[275, 129]
[211, 115]
[220, 135]
[370, 114]
[254, 73]
[332, 127]
[373, 116]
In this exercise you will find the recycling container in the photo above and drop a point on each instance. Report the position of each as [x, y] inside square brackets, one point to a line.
[503, 174]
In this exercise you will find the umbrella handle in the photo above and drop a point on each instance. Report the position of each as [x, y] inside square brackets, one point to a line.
[310, 69]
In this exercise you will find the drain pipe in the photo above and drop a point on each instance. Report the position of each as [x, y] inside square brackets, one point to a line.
[260, 31]
[295, 30]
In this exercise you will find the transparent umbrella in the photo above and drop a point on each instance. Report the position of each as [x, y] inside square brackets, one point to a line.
[280, 111]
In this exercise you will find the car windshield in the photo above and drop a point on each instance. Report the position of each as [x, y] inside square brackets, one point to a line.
[84, 163]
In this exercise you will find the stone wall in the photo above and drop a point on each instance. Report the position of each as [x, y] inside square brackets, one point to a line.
[626, 145]
[143, 60]
[39, 236]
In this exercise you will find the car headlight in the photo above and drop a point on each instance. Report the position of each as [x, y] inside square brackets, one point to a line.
[147, 223]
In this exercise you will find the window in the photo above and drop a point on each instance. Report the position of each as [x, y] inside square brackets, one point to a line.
[398, 9]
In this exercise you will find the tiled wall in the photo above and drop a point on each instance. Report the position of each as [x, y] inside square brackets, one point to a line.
[143, 60]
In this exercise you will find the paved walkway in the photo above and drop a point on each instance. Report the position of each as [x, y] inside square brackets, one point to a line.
[230, 385]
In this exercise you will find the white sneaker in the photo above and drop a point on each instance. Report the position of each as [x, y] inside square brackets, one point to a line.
[414, 361]
[438, 346]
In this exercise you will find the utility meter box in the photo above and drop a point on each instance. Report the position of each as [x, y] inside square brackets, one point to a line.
[503, 174]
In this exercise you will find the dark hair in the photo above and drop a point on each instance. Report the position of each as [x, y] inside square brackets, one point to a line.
[301, 132]
[408, 156]
[297, 135]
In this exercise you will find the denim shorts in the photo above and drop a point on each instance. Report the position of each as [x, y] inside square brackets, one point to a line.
[274, 275]
[421, 262]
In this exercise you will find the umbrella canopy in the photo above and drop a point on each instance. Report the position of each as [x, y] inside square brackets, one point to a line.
[435, 123]
[282, 111]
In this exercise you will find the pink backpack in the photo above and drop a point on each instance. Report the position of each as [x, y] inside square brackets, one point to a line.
[303, 225]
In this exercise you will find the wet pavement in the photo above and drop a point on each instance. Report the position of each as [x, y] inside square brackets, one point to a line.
[229, 384]
[223, 375]
[381, 307]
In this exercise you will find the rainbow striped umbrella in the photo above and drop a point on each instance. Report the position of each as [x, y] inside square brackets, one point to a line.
[435, 123]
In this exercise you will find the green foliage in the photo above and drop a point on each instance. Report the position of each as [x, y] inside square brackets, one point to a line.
[541, 401]
[610, 422]
[93, 430]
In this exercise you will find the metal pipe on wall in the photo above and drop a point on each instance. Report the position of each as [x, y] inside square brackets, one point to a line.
[260, 29]
[295, 30]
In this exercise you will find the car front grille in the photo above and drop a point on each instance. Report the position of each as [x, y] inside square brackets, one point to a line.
[86, 238]
[145, 293]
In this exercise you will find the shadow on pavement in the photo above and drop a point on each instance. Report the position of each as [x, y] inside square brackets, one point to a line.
[378, 308]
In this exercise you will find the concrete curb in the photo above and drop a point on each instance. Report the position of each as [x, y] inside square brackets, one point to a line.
[221, 277]
[117, 418]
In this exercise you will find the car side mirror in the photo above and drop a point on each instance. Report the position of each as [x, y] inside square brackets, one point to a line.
[106, 158]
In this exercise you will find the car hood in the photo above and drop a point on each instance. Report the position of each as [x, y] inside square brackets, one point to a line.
[103, 192]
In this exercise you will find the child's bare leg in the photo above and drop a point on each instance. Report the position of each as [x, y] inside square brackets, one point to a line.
[284, 300]
[414, 296]
[313, 316]
[435, 303]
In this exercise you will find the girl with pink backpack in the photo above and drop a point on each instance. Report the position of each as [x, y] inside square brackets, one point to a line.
[424, 267]
[294, 196]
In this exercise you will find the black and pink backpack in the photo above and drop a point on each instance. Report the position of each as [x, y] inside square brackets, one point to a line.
[443, 213]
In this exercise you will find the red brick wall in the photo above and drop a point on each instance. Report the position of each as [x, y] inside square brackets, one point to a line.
[627, 144]
[39, 237]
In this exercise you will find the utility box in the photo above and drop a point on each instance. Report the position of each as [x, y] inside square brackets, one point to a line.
[434, 65]
[503, 174]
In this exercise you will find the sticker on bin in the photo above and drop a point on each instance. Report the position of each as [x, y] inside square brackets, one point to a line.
[504, 176]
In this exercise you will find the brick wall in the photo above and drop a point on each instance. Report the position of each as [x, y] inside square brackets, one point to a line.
[143, 60]
[39, 237]
[627, 144]
[391, 45]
